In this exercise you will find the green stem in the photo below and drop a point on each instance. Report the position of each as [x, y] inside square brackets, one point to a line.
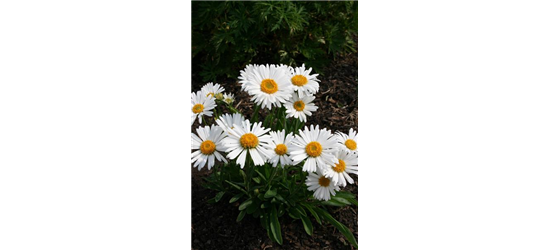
[272, 177]
[249, 171]
[256, 111]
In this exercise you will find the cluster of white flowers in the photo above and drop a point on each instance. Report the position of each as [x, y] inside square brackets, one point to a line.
[328, 158]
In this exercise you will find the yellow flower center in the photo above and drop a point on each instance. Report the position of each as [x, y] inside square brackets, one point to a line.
[249, 140]
[299, 80]
[339, 167]
[299, 105]
[313, 149]
[323, 181]
[211, 94]
[350, 144]
[198, 108]
[207, 147]
[269, 86]
[281, 149]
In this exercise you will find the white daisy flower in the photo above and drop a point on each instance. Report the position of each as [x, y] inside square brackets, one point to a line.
[211, 89]
[281, 143]
[303, 82]
[200, 106]
[244, 77]
[247, 138]
[323, 187]
[208, 143]
[339, 172]
[228, 121]
[348, 141]
[269, 85]
[300, 107]
[228, 98]
[316, 147]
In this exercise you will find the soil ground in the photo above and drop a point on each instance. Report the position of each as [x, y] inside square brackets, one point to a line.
[214, 226]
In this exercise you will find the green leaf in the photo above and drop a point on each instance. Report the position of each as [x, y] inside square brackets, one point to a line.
[243, 174]
[348, 196]
[341, 200]
[275, 226]
[301, 211]
[265, 205]
[333, 202]
[241, 216]
[307, 225]
[313, 213]
[236, 186]
[252, 207]
[219, 195]
[268, 227]
[342, 228]
[345, 195]
[245, 204]
[270, 193]
[261, 175]
[278, 197]
[294, 213]
[257, 180]
[236, 197]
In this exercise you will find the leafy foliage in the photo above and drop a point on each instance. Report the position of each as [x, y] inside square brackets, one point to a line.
[228, 35]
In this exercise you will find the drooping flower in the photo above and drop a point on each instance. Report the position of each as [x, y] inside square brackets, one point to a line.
[322, 186]
[208, 143]
[200, 106]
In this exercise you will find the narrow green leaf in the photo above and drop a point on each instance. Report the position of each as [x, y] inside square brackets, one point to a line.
[241, 216]
[219, 195]
[333, 202]
[243, 174]
[275, 226]
[294, 213]
[270, 193]
[280, 198]
[345, 195]
[245, 204]
[342, 228]
[301, 210]
[261, 175]
[307, 225]
[236, 186]
[313, 213]
[236, 197]
[257, 180]
[348, 196]
[252, 207]
[268, 227]
[341, 200]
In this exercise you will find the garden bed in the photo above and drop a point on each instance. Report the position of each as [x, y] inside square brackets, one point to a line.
[214, 226]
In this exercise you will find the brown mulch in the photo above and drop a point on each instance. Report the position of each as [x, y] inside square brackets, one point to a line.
[214, 226]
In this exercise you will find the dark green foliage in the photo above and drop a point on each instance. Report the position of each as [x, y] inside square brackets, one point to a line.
[226, 36]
